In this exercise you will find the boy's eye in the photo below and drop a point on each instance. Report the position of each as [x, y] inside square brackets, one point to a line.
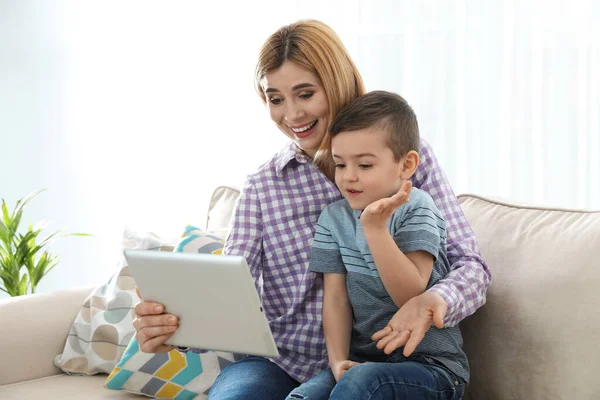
[275, 100]
[306, 96]
[365, 166]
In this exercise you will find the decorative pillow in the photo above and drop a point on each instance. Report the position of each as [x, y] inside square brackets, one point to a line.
[103, 327]
[194, 240]
[172, 375]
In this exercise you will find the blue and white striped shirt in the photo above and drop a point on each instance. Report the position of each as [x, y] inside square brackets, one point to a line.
[340, 247]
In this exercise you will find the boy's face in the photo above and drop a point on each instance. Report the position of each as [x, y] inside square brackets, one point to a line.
[365, 169]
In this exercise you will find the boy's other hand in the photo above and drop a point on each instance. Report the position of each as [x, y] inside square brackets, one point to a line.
[376, 214]
[341, 367]
[410, 323]
[153, 327]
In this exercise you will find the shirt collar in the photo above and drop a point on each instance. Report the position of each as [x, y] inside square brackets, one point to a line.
[290, 152]
[357, 213]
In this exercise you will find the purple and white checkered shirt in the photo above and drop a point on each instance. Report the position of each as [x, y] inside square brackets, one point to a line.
[273, 227]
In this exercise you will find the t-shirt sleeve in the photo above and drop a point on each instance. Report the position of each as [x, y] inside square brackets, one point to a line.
[421, 226]
[325, 256]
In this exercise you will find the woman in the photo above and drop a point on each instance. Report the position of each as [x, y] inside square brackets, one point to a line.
[305, 77]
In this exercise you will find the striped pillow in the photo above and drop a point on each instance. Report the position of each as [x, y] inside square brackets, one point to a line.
[172, 375]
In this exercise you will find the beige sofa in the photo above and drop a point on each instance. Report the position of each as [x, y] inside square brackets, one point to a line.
[534, 339]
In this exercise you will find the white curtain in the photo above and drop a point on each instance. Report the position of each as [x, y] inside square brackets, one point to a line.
[507, 92]
[131, 112]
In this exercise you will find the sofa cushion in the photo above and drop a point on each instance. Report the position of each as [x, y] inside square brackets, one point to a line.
[220, 211]
[536, 336]
[103, 327]
[33, 330]
[63, 387]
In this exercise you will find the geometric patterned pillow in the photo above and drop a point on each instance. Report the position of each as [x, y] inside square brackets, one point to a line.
[103, 327]
[173, 375]
[195, 240]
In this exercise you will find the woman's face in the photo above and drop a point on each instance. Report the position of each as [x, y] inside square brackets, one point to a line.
[298, 105]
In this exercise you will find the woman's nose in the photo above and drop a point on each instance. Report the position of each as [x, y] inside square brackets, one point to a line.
[293, 113]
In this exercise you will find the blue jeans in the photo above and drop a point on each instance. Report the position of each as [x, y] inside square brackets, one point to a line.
[376, 380]
[316, 388]
[252, 378]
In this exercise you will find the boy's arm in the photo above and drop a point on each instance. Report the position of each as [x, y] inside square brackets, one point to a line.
[403, 274]
[337, 318]
[326, 258]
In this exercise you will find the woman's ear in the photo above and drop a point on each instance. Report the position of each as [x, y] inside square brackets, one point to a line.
[409, 164]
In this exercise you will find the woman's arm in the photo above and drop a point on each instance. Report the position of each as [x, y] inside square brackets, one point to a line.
[465, 287]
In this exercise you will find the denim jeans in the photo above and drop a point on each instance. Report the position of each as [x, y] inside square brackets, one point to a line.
[377, 380]
[316, 388]
[252, 378]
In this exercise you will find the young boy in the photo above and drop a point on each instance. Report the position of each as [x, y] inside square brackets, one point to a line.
[378, 247]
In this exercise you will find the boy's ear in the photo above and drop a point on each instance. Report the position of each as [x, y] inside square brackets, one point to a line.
[409, 164]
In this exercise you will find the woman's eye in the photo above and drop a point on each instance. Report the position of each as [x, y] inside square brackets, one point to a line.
[340, 165]
[365, 166]
[275, 100]
[306, 96]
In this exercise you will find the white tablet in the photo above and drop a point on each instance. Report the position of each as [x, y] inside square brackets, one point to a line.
[213, 295]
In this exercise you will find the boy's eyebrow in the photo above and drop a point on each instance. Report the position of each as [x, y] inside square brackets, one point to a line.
[357, 155]
[296, 87]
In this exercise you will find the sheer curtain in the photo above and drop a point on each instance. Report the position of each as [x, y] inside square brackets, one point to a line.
[507, 92]
[130, 112]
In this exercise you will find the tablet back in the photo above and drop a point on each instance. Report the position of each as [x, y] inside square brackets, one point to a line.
[213, 295]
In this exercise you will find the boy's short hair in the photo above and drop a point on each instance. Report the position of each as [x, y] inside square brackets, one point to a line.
[387, 110]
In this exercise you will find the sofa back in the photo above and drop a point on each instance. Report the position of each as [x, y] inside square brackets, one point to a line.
[535, 337]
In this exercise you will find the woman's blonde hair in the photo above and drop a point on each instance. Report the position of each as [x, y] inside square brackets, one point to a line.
[314, 46]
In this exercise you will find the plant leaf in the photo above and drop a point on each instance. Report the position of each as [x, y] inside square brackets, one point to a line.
[45, 264]
[3, 228]
[4, 242]
[5, 216]
[38, 270]
[42, 243]
[23, 202]
[18, 211]
[23, 285]
[19, 251]
[80, 234]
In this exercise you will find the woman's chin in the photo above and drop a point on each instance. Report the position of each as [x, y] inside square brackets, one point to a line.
[310, 144]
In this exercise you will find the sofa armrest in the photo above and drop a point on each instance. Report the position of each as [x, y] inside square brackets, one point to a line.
[33, 330]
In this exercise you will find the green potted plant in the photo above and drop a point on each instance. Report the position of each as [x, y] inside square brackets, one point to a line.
[23, 258]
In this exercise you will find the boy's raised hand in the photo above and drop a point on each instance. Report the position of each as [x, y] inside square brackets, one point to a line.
[376, 214]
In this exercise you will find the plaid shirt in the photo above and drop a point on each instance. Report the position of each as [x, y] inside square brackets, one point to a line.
[273, 227]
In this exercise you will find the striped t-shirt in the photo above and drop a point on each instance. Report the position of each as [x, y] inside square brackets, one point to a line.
[340, 247]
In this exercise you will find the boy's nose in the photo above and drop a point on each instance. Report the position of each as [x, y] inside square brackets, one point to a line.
[350, 175]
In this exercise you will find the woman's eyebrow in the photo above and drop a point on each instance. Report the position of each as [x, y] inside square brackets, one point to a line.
[302, 86]
[294, 88]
